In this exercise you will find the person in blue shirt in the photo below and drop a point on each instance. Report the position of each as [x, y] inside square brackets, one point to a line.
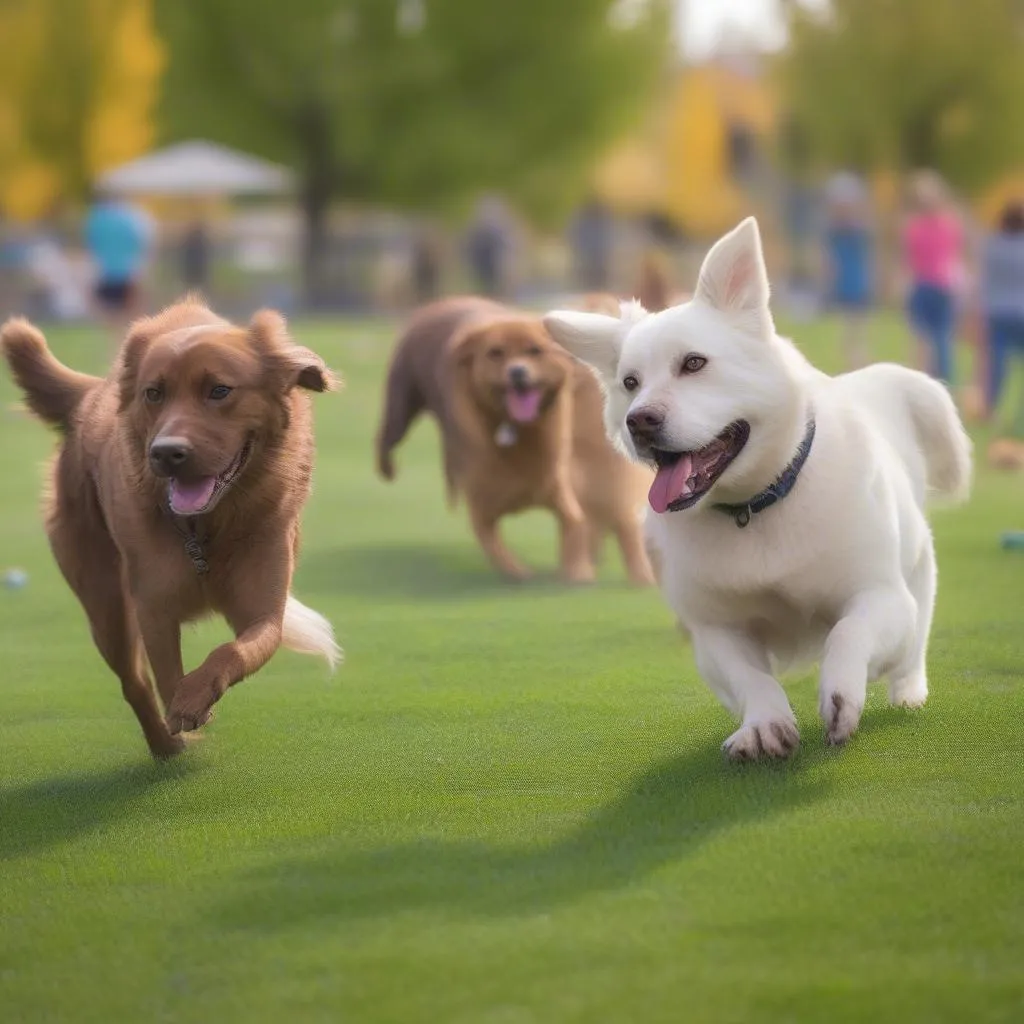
[1002, 297]
[849, 253]
[118, 237]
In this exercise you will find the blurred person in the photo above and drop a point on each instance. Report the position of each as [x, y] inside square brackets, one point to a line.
[933, 251]
[194, 255]
[849, 256]
[590, 238]
[1002, 299]
[118, 236]
[489, 245]
[426, 264]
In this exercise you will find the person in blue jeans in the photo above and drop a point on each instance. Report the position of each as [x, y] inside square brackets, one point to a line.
[849, 252]
[1002, 296]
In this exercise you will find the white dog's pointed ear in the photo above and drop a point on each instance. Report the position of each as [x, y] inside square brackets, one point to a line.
[733, 278]
[593, 338]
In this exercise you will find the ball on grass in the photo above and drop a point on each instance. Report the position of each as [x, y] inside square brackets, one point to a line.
[15, 579]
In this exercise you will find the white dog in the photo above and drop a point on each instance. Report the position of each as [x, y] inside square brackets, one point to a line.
[790, 524]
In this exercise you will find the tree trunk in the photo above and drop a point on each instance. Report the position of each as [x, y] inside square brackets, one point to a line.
[316, 201]
[318, 187]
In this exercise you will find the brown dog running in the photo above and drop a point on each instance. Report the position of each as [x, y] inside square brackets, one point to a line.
[176, 491]
[521, 427]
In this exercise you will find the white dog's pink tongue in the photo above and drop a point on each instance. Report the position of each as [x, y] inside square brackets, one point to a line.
[670, 484]
[523, 406]
[189, 498]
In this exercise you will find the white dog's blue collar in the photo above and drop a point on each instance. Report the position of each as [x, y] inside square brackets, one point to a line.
[776, 491]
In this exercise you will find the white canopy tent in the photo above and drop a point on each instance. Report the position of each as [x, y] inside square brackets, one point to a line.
[197, 168]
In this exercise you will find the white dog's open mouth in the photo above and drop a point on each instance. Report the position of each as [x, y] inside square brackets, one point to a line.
[683, 478]
[194, 497]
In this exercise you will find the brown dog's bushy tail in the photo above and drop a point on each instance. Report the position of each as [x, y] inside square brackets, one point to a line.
[52, 390]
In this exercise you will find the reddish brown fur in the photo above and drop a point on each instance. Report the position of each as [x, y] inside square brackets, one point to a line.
[109, 528]
[452, 361]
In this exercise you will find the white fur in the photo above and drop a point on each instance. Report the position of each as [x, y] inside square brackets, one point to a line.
[308, 632]
[842, 571]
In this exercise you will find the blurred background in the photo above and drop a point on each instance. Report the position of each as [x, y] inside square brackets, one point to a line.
[358, 156]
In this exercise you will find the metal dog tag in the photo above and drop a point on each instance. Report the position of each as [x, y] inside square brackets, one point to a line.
[506, 435]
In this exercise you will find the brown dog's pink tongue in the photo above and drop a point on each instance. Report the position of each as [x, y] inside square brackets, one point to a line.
[523, 406]
[670, 484]
[189, 498]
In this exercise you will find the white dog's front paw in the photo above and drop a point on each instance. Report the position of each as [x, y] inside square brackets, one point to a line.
[841, 717]
[775, 738]
[909, 691]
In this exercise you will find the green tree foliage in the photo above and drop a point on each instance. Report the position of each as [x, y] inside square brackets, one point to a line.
[908, 83]
[413, 102]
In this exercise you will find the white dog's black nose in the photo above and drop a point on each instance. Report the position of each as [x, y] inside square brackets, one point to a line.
[645, 424]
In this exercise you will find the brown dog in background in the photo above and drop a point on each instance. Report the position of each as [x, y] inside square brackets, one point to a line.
[521, 427]
[176, 492]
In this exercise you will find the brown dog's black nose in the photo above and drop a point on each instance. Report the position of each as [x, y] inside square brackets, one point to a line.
[645, 423]
[168, 454]
[519, 376]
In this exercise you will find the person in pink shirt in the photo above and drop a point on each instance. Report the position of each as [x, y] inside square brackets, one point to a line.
[933, 256]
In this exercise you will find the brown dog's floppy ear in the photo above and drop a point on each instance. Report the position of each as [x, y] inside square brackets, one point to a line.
[132, 350]
[296, 366]
[463, 347]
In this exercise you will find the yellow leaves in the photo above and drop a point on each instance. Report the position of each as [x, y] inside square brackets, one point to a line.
[112, 75]
[122, 126]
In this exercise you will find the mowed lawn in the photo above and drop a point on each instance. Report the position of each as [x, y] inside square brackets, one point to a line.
[509, 805]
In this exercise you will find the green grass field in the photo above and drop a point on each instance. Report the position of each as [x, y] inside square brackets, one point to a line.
[509, 806]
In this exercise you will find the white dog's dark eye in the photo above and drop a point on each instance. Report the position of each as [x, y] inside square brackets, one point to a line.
[630, 382]
[153, 395]
[219, 392]
[692, 363]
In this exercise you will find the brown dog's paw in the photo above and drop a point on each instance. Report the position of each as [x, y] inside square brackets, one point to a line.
[579, 575]
[385, 466]
[642, 577]
[517, 573]
[166, 749]
[191, 708]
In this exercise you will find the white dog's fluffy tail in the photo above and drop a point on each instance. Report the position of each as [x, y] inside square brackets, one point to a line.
[308, 632]
[941, 436]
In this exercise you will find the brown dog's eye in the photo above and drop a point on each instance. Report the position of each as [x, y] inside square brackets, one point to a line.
[692, 363]
[630, 383]
[534, 350]
[153, 395]
[495, 353]
[219, 392]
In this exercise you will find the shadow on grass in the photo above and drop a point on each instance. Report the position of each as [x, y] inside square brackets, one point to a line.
[664, 816]
[49, 812]
[385, 572]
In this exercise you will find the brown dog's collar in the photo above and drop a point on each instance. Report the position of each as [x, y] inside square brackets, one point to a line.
[190, 535]
[506, 435]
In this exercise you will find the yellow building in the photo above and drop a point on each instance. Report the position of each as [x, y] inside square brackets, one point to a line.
[715, 122]
[686, 162]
